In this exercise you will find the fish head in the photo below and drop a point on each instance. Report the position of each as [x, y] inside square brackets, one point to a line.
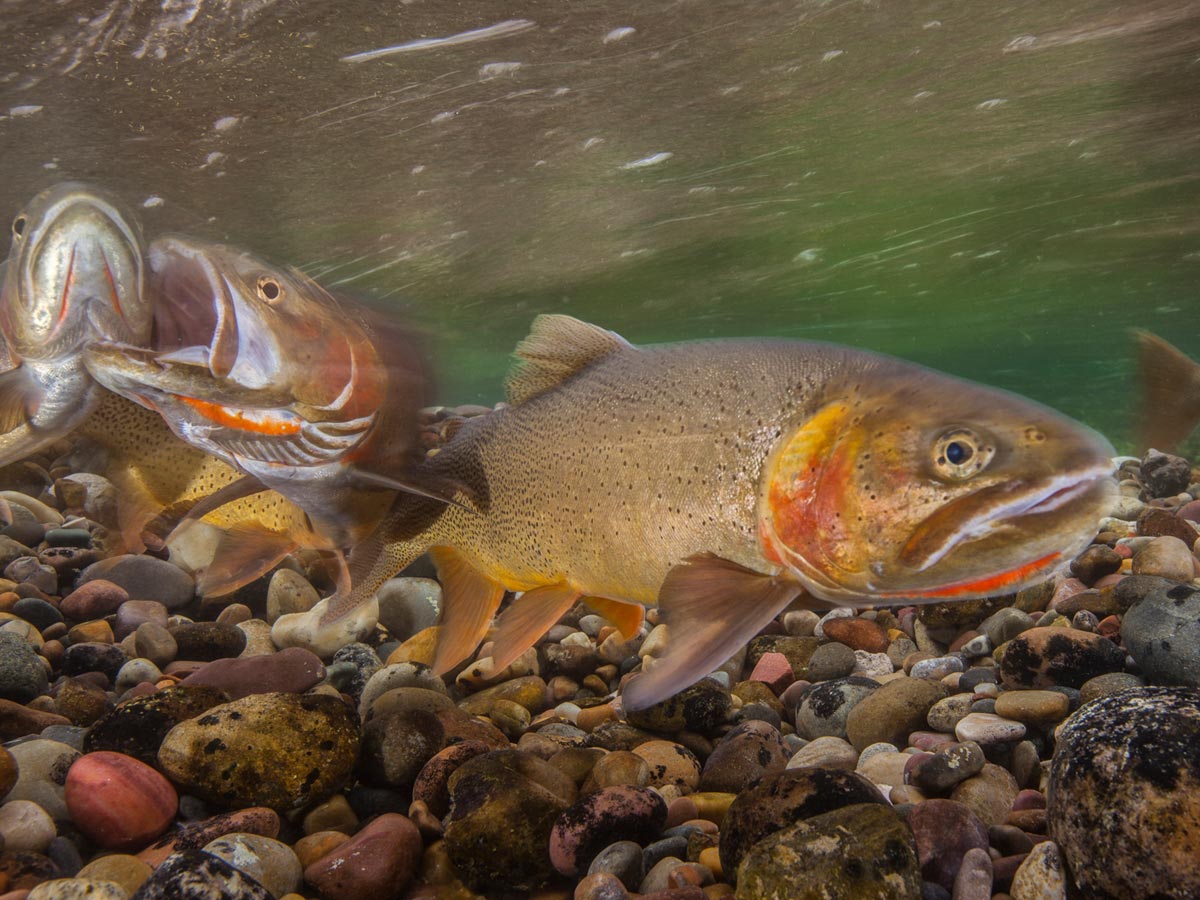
[258, 334]
[74, 274]
[912, 486]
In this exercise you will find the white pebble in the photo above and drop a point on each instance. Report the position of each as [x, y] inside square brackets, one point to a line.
[26, 827]
[872, 665]
[988, 728]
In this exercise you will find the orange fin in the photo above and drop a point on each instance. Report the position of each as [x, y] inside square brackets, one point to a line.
[18, 399]
[246, 551]
[712, 608]
[625, 615]
[469, 600]
[529, 617]
[136, 508]
[1170, 404]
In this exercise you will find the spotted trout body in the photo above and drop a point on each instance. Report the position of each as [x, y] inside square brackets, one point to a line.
[724, 480]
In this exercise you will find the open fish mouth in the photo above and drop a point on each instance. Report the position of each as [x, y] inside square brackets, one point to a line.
[196, 316]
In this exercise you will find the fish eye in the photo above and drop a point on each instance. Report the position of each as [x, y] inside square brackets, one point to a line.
[960, 453]
[18, 226]
[269, 289]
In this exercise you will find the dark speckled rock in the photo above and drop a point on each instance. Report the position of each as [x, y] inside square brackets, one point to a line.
[279, 750]
[196, 875]
[748, 751]
[22, 675]
[397, 745]
[503, 806]
[94, 657]
[783, 799]
[431, 786]
[700, 708]
[864, 851]
[609, 815]
[137, 727]
[1162, 633]
[1124, 794]
[824, 707]
[206, 641]
[1042, 657]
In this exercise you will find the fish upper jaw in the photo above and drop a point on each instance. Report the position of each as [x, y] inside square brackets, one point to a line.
[1003, 506]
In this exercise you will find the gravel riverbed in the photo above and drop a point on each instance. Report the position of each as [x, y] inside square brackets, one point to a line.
[1036, 745]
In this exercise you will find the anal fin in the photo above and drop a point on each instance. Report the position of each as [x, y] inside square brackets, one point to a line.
[626, 615]
[529, 617]
[712, 607]
[246, 551]
[469, 601]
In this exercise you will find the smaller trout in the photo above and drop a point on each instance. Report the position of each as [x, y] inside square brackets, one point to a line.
[263, 369]
[724, 481]
[74, 276]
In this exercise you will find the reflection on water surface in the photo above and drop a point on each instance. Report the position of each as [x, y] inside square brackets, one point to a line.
[1000, 193]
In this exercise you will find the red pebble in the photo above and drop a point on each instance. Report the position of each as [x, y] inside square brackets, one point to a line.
[857, 634]
[774, 670]
[1029, 799]
[118, 801]
[1110, 627]
[93, 600]
[375, 863]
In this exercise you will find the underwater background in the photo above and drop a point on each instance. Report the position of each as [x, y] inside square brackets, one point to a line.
[998, 192]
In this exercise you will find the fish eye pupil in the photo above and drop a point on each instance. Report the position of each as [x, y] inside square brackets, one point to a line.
[957, 453]
[269, 289]
[18, 226]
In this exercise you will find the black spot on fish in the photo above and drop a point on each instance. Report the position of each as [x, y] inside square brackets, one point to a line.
[214, 745]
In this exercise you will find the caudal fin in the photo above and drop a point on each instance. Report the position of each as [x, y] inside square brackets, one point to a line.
[1169, 409]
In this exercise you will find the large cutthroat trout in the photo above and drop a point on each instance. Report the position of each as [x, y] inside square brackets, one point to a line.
[723, 480]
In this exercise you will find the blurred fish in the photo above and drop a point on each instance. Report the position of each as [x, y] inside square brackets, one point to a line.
[160, 477]
[1169, 409]
[74, 275]
[725, 480]
[263, 369]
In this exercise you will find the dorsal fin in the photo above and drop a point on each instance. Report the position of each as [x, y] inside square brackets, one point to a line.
[557, 348]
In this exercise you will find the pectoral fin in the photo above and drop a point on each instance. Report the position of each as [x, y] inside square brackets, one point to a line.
[529, 617]
[469, 600]
[626, 616]
[441, 493]
[1170, 407]
[247, 551]
[712, 607]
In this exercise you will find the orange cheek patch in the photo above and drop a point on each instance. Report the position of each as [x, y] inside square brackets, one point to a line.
[258, 423]
[810, 485]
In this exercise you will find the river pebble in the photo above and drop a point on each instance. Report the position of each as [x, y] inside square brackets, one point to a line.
[489, 771]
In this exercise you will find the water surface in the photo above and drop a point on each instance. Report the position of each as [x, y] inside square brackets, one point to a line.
[1000, 192]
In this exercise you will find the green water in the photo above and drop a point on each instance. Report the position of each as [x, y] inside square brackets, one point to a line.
[999, 192]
